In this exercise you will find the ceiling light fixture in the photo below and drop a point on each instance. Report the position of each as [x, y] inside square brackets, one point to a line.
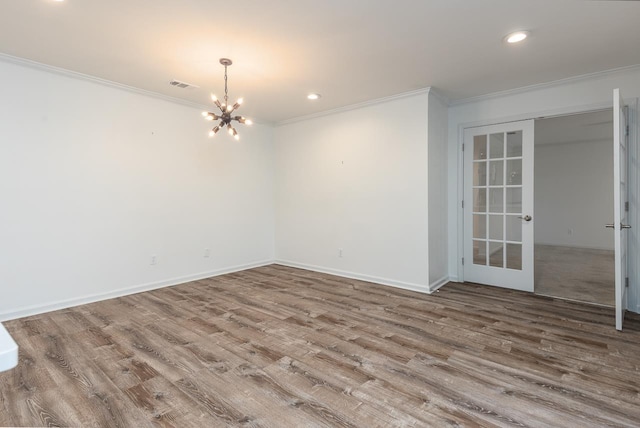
[516, 37]
[313, 96]
[225, 109]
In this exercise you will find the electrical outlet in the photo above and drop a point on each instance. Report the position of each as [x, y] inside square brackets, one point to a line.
[207, 252]
[154, 260]
[340, 252]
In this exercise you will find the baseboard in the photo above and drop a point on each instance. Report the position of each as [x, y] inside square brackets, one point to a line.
[63, 304]
[359, 276]
[437, 284]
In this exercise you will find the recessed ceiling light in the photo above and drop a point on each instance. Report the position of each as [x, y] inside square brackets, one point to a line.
[516, 37]
[313, 96]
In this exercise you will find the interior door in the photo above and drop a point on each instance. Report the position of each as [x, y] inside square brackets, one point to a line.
[620, 204]
[498, 205]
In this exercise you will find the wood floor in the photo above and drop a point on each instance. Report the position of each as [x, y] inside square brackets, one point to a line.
[581, 274]
[281, 347]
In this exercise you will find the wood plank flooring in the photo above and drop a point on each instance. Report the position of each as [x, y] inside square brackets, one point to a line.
[581, 274]
[282, 347]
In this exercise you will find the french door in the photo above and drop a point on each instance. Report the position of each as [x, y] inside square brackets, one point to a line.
[620, 204]
[498, 205]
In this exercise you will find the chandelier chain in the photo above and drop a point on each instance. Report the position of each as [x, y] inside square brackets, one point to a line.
[226, 96]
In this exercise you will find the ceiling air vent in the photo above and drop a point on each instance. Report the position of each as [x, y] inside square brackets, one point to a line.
[182, 85]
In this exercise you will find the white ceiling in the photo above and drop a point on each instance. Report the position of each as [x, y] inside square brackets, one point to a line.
[350, 51]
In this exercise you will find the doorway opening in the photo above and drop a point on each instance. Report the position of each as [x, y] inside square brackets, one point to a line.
[573, 201]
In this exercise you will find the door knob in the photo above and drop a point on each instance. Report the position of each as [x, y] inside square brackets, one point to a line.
[526, 217]
[610, 226]
[625, 226]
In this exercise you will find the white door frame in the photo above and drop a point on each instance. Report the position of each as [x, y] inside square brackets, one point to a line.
[578, 109]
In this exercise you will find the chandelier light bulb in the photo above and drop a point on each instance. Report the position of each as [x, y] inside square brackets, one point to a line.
[240, 101]
[237, 137]
[205, 113]
[211, 133]
[248, 122]
[214, 98]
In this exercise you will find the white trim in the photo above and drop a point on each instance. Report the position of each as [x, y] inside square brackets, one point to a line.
[454, 279]
[546, 85]
[634, 212]
[544, 114]
[443, 99]
[63, 304]
[564, 111]
[459, 210]
[8, 350]
[350, 107]
[362, 277]
[438, 284]
[109, 83]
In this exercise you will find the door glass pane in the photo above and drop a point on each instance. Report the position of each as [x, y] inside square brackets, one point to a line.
[479, 173]
[496, 173]
[479, 147]
[495, 254]
[479, 226]
[514, 199]
[514, 228]
[496, 145]
[496, 203]
[514, 256]
[495, 226]
[514, 172]
[479, 200]
[514, 144]
[480, 253]
[497, 200]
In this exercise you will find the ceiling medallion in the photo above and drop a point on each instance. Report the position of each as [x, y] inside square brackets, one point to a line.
[226, 109]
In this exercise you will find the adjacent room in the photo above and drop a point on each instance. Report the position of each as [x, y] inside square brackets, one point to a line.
[309, 214]
[574, 250]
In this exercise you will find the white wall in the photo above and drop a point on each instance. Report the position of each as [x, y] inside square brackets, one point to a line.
[356, 181]
[571, 95]
[574, 194]
[94, 180]
[438, 218]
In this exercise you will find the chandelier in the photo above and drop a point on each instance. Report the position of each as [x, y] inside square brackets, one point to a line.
[226, 109]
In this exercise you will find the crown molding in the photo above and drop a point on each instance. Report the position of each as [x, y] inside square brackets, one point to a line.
[439, 95]
[80, 76]
[546, 85]
[350, 107]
